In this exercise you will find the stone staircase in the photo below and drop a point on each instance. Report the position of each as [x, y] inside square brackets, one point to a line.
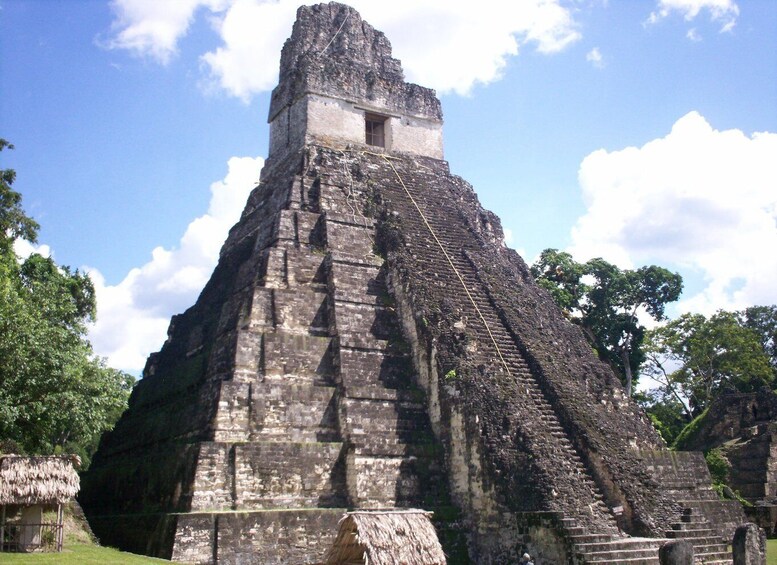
[684, 474]
[598, 539]
[707, 544]
[456, 242]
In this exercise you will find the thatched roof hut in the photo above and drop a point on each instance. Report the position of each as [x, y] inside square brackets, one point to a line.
[390, 537]
[38, 480]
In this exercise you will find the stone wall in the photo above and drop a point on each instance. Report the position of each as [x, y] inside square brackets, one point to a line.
[271, 537]
[336, 123]
[728, 418]
[329, 80]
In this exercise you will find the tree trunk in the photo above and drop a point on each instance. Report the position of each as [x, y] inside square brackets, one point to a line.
[626, 370]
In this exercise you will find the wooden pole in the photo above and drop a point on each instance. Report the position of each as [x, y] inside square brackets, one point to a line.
[60, 527]
[2, 530]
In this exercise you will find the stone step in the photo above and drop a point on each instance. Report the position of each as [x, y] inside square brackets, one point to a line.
[706, 558]
[717, 549]
[697, 533]
[629, 544]
[580, 535]
[623, 556]
[625, 560]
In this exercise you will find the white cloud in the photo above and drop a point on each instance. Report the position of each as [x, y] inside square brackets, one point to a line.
[153, 28]
[693, 35]
[594, 56]
[449, 45]
[724, 12]
[133, 315]
[697, 199]
[253, 34]
[24, 248]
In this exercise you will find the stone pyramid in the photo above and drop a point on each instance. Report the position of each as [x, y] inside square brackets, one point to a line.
[367, 341]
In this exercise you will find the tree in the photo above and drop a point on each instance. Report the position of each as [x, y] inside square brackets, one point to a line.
[694, 358]
[665, 412]
[606, 302]
[763, 320]
[54, 393]
[14, 223]
[558, 273]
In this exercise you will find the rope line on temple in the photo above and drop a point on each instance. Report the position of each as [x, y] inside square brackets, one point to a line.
[447, 257]
[348, 15]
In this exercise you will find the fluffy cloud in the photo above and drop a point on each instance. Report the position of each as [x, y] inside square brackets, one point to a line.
[133, 315]
[724, 12]
[24, 249]
[446, 44]
[698, 199]
[153, 28]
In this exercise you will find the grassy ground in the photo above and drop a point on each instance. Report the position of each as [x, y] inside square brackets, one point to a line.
[79, 554]
[79, 548]
[771, 552]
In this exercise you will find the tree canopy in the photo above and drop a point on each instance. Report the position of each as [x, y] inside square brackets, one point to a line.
[607, 303]
[694, 358]
[14, 223]
[763, 320]
[55, 395]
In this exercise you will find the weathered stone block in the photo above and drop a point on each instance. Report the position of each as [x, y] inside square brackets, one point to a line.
[350, 242]
[286, 227]
[289, 475]
[276, 537]
[301, 310]
[234, 412]
[301, 355]
[212, 488]
[305, 267]
[676, 552]
[261, 309]
[379, 425]
[248, 352]
[749, 545]
[379, 482]
[293, 412]
[361, 368]
[367, 321]
[276, 269]
[195, 538]
[363, 284]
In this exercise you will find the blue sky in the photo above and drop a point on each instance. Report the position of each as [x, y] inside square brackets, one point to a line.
[644, 132]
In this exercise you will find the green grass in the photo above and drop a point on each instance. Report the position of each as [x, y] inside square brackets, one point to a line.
[771, 552]
[80, 554]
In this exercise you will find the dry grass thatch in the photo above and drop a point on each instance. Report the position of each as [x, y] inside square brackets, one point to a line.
[391, 537]
[38, 480]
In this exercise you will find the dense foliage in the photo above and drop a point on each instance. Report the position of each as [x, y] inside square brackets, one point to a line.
[55, 395]
[763, 321]
[694, 358]
[607, 303]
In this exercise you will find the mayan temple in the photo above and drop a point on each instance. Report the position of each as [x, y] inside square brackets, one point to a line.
[367, 341]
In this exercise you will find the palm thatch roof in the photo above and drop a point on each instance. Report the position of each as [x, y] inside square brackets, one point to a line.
[38, 480]
[390, 537]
